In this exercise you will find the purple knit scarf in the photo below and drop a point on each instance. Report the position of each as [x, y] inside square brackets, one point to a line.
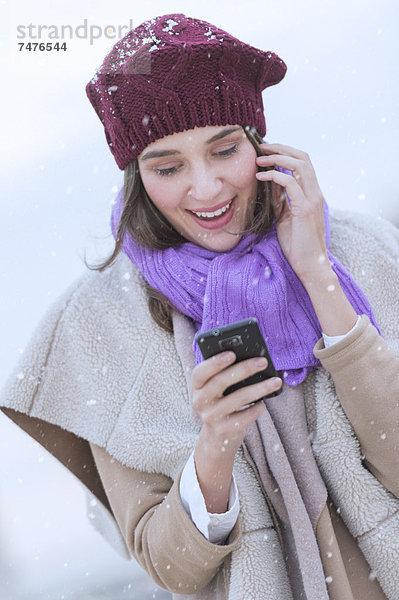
[254, 279]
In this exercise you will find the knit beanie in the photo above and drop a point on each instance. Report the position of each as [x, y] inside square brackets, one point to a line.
[173, 73]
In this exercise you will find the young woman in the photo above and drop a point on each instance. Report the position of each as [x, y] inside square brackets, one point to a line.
[295, 496]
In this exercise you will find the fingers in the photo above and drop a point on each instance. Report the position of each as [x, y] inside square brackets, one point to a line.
[286, 162]
[210, 367]
[296, 161]
[287, 150]
[298, 200]
[214, 374]
[230, 432]
[241, 398]
[300, 187]
[209, 400]
[286, 181]
[225, 418]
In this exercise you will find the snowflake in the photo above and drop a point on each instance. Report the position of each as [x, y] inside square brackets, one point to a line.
[170, 24]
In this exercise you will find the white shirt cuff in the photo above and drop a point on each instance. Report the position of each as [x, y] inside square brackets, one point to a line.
[214, 526]
[329, 340]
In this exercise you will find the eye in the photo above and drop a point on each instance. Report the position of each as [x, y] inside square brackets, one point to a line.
[166, 172]
[227, 152]
[172, 170]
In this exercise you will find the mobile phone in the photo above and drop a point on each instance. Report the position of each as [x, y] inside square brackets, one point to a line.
[245, 339]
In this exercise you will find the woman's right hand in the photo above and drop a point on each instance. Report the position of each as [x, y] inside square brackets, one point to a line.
[225, 419]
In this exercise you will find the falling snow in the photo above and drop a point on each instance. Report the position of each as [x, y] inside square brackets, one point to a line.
[267, 272]
[170, 24]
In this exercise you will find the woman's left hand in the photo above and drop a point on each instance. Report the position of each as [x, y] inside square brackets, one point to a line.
[301, 228]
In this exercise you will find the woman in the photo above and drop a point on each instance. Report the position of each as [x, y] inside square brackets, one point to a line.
[222, 496]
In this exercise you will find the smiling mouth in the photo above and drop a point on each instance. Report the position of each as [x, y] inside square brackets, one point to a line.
[214, 214]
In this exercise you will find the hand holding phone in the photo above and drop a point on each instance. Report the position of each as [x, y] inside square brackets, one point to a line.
[245, 339]
[224, 409]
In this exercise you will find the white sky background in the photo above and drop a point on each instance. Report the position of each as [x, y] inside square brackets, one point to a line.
[338, 102]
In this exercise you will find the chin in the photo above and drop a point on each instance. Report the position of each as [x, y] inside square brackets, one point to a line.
[220, 245]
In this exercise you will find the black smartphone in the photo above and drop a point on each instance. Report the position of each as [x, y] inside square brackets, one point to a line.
[245, 339]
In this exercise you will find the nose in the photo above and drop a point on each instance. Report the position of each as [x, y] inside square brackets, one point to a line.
[205, 183]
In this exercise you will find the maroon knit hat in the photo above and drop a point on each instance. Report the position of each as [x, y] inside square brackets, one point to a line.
[174, 73]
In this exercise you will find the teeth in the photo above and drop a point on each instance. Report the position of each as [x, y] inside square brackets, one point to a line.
[216, 213]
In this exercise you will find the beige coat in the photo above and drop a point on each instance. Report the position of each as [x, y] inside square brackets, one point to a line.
[105, 390]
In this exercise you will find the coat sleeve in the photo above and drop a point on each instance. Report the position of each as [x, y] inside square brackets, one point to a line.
[365, 371]
[157, 530]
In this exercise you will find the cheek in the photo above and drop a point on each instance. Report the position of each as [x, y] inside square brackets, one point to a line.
[244, 170]
[161, 195]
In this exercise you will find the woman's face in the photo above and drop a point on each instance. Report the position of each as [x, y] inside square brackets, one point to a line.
[203, 181]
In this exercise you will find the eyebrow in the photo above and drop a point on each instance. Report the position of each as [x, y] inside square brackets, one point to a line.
[218, 136]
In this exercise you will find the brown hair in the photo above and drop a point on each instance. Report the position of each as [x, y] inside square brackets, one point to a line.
[148, 227]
